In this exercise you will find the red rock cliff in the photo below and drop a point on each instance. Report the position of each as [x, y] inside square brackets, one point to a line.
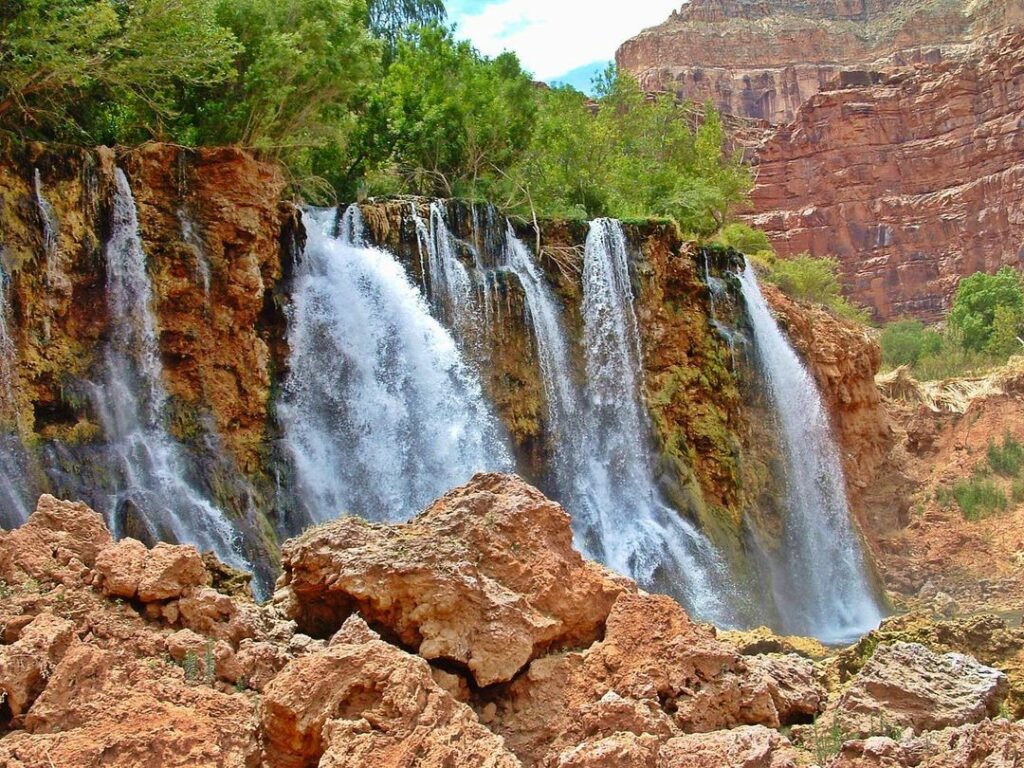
[912, 182]
[763, 58]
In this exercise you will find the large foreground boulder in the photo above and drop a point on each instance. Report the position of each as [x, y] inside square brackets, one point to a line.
[486, 578]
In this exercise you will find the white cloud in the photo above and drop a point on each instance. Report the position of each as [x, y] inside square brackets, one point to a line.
[553, 37]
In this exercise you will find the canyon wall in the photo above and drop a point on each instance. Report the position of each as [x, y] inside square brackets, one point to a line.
[911, 182]
[761, 59]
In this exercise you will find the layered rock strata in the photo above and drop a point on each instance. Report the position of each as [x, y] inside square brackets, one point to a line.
[762, 59]
[912, 181]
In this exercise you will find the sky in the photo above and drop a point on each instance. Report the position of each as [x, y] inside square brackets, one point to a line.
[565, 41]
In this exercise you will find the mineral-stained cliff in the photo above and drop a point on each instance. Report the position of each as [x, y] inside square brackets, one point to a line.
[912, 182]
[516, 654]
[763, 58]
[220, 249]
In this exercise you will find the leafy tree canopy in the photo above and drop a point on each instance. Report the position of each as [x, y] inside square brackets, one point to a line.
[977, 300]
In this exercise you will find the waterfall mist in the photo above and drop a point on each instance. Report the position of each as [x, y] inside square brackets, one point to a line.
[819, 577]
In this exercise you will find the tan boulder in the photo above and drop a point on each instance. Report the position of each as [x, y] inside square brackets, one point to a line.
[486, 577]
[170, 570]
[906, 685]
[744, 747]
[59, 541]
[989, 744]
[655, 673]
[359, 704]
[26, 665]
[102, 709]
[121, 567]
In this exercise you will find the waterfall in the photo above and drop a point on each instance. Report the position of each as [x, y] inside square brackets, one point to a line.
[380, 412]
[820, 582]
[50, 227]
[449, 283]
[603, 461]
[191, 237]
[151, 472]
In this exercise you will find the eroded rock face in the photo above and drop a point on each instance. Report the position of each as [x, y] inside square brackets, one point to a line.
[364, 702]
[486, 578]
[909, 686]
[92, 673]
[762, 60]
[911, 182]
[985, 745]
[655, 673]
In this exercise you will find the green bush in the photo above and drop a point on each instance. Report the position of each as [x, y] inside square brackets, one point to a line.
[979, 497]
[905, 342]
[816, 280]
[1017, 491]
[1006, 459]
[975, 306]
[744, 239]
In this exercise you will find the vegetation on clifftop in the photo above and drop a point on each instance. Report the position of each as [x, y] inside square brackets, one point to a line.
[354, 98]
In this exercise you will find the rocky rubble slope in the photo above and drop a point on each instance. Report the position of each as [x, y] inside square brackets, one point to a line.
[472, 636]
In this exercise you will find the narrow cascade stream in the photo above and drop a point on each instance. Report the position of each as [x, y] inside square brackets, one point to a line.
[151, 471]
[50, 227]
[16, 496]
[381, 414]
[819, 579]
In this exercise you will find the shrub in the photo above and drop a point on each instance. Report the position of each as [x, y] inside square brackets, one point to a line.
[977, 300]
[905, 342]
[1017, 492]
[744, 239]
[817, 280]
[1006, 459]
[979, 497]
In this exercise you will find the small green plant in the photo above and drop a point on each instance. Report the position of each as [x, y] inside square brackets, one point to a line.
[190, 664]
[979, 497]
[1006, 459]
[5, 590]
[241, 685]
[1017, 491]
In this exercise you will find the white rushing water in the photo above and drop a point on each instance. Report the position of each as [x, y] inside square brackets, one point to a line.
[151, 474]
[51, 229]
[603, 459]
[820, 580]
[381, 414]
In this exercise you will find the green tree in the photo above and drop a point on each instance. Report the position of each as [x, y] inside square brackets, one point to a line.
[301, 64]
[1007, 330]
[68, 66]
[906, 342]
[389, 17]
[445, 119]
[977, 297]
[627, 154]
